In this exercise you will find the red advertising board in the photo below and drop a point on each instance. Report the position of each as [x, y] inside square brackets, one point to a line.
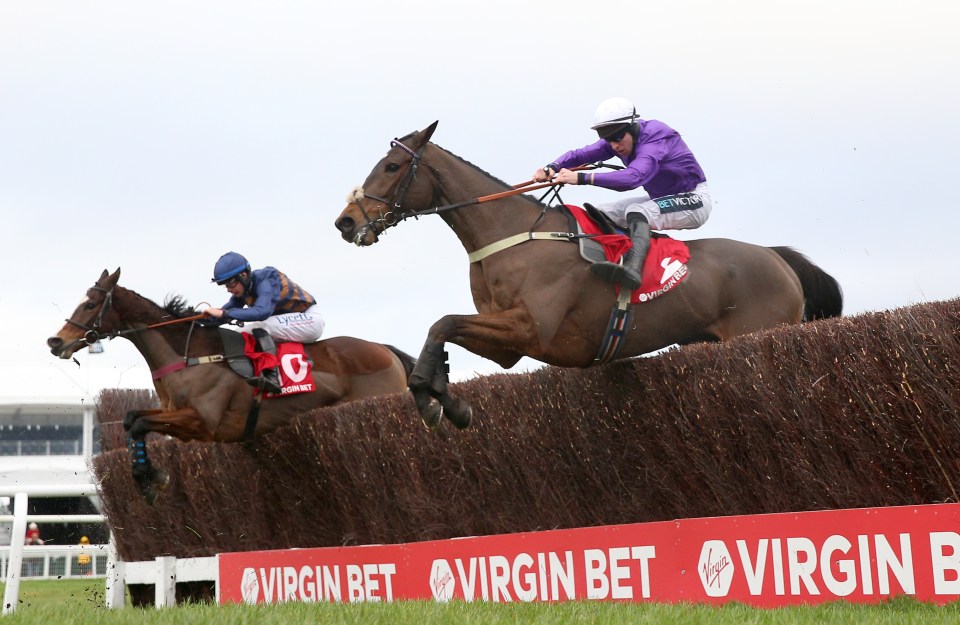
[860, 555]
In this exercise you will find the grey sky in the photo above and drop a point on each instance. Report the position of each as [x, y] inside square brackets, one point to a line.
[155, 137]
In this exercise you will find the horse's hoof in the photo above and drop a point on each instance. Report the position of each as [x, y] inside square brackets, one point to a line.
[129, 418]
[161, 479]
[459, 412]
[148, 490]
[431, 414]
[150, 482]
[428, 408]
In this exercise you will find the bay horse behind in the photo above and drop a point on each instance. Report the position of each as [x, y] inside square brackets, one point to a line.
[209, 401]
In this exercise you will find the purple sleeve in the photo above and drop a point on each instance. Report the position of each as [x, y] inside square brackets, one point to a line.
[636, 174]
[599, 151]
[641, 169]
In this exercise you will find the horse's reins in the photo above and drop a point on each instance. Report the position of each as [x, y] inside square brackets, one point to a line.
[394, 217]
[92, 333]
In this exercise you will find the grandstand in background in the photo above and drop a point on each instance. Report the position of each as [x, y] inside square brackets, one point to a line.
[50, 442]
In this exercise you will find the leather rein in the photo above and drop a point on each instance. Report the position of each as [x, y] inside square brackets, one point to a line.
[397, 214]
[93, 334]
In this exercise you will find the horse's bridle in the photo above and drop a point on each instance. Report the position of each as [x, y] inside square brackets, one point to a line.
[396, 215]
[393, 217]
[92, 333]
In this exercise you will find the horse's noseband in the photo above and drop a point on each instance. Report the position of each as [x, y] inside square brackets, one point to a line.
[396, 214]
[91, 333]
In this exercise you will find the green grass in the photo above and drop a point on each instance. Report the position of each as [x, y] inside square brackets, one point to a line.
[80, 602]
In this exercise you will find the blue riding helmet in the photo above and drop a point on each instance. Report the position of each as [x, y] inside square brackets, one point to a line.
[229, 265]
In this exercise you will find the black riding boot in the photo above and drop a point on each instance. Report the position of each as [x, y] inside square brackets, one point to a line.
[269, 379]
[628, 272]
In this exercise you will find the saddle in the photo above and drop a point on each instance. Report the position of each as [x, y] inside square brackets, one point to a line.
[235, 353]
[237, 347]
[602, 240]
[591, 248]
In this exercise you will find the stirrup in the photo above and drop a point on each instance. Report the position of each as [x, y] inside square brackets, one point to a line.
[608, 271]
[615, 274]
[271, 382]
[265, 384]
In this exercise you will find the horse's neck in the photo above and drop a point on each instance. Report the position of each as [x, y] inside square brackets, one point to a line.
[478, 225]
[136, 312]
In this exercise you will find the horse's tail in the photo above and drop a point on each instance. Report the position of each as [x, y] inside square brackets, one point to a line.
[822, 296]
[409, 362]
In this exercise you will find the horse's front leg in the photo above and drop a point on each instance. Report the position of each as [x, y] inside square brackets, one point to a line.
[503, 337]
[428, 383]
[149, 480]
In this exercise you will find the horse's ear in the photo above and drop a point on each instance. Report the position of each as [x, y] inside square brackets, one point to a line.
[427, 132]
[113, 278]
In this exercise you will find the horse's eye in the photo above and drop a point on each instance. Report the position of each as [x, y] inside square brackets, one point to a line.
[89, 306]
[392, 167]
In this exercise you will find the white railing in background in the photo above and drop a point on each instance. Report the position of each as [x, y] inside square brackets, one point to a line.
[43, 561]
[20, 554]
[163, 573]
[57, 561]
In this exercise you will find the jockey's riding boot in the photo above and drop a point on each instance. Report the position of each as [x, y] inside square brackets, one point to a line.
[628, 271]
[269, 379]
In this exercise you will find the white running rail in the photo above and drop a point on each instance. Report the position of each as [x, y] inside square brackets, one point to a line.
[20, 494]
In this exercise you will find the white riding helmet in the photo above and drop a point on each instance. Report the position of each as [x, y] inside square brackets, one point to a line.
[613, 112]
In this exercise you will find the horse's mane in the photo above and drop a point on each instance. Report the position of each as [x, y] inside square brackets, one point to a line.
[479, 169]
[178, 307]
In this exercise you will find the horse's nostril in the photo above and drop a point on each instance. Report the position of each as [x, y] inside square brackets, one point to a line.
[54, 341]
[345, 224]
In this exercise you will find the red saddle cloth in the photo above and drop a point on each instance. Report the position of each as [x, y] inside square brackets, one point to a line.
[664, 268]
[294, 366]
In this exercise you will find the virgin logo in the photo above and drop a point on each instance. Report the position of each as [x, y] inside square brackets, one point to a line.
[295, 367]
[715, 568]
[670, 267]
[442, 583]
[249, 586]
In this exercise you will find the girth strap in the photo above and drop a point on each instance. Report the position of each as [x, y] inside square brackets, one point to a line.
[516, 239]
[252, 417]
[620, 318]
[183, 364]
